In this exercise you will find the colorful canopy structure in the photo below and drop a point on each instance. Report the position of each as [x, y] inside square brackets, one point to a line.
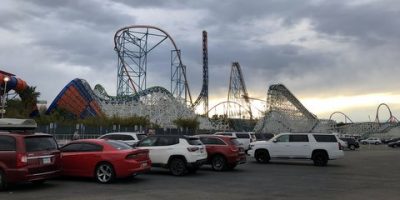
[78, 98]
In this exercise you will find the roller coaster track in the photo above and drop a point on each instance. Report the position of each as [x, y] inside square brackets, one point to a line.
[132, 68]
[278, 95]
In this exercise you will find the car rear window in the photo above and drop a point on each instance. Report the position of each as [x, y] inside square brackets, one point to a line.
[325, 138]
[141, 136]
[235, 142]
[40, 143]
[242, 135]
[7, 143]
[118, 145]
[118, 137]
[194, 141]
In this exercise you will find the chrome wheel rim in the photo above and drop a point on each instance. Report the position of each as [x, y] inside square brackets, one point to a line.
[104, 173]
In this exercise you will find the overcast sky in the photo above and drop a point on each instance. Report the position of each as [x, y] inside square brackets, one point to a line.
[333, 55]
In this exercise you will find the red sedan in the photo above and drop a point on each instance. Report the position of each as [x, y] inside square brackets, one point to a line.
[224, 152]
[103, 159]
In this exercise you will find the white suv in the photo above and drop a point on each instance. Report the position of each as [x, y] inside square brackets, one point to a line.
[180, 154]
[318, 147]
[245, 138]
[130, 138]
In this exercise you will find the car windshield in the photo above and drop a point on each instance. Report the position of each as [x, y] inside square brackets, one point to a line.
[194, 141]
[40, 143]
[118, 145]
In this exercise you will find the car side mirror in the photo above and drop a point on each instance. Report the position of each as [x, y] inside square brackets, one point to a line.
[274, 141]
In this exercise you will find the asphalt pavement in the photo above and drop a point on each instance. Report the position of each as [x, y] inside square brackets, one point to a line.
[369, 173]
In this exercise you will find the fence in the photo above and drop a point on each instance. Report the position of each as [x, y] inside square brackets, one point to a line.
[63, 133]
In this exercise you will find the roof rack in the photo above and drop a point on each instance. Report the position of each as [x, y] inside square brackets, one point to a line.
[17, 124]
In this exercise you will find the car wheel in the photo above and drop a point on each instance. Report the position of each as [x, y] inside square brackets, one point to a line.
[218, 163]
[320, 159]
[3, 182]
[177, 167]
[104, 173]
[262, 156]
[364, 143]
[352, 147]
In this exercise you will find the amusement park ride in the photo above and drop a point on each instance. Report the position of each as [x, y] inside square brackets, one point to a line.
[133, 45]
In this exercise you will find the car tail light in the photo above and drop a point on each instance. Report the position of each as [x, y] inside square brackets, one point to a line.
[22, 160]
[193, 149]
[234, 148]
[340, 146]
[132, 156]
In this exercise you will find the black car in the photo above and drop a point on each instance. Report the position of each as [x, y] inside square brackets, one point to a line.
[391, 140]
[394, 144]
[352, 144]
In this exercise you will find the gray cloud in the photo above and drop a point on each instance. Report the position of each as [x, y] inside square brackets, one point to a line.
[350, 48]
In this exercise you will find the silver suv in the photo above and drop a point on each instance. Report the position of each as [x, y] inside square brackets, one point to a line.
[130, 138]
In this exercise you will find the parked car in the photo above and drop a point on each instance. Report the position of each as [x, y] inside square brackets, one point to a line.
[351, 143]
[245, 138]
[263, 136]
[130, 138]
[224, 152]
[103, 160]
[318, 147]
[180, 154]
[394, 144]
[375, 141]
[390, 140]
[26, 156]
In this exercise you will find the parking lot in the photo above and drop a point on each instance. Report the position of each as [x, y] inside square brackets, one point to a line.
[369, 173]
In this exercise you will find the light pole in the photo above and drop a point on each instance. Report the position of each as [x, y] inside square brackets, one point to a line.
[3, 110]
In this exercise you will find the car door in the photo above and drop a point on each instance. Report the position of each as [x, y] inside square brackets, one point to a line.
[90, 155]
[69, 158]
[164, 148]
[79, 159]
[299, 146]
[279, 146]
[149, 143]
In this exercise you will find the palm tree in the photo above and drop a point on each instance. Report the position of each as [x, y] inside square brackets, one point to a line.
[29, 98]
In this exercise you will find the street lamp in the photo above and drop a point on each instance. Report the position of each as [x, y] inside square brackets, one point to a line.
[3, 110]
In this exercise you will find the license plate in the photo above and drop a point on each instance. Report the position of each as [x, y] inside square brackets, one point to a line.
[143, 165]
[46, 160]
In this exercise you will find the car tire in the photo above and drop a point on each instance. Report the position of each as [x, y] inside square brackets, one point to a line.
[352, 147]
[376, 143]
[218, 163]
[262, 156]
[320, 159]
[364, 143]
[3, 181]
[104, 173]
[177, 167]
